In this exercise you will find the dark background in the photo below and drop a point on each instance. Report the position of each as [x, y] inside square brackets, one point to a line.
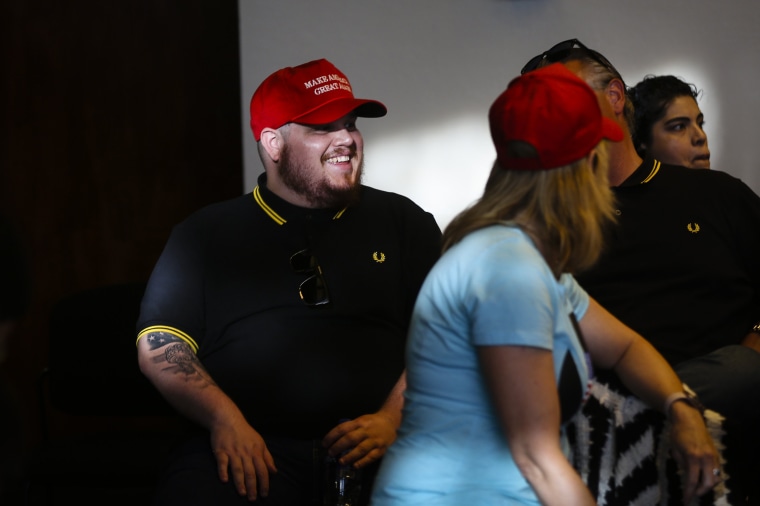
[118, 119]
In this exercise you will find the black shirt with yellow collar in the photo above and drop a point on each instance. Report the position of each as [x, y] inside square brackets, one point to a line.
[225, 284]
[682, 266]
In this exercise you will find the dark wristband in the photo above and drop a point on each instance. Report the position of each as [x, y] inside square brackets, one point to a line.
[686, 396]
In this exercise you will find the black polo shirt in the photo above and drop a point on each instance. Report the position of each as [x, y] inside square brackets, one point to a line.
[682, 267]
[226, 285]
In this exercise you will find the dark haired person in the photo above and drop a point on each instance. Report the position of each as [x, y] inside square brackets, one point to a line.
[682, 269]
[668, 123]
[272, 317]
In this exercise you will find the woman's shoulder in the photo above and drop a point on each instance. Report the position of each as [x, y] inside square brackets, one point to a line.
[499, 252]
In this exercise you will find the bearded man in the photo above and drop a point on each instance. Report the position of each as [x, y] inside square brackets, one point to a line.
[276, 321]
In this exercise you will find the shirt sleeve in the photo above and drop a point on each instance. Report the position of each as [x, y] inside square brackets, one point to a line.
[513, 297]
[578, 297]
[173, 299]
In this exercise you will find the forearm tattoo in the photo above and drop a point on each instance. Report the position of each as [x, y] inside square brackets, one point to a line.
[179, 356]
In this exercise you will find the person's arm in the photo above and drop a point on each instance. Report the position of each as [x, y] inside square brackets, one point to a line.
[648, 376]
[366, 438]
[170, 364]
[524, 392]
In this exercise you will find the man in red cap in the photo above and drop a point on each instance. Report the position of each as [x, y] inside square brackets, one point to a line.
[277, 321]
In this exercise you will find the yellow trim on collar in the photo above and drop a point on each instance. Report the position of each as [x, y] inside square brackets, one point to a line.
[276, 217]
[655, 170]
[263, 205]
[171, 330]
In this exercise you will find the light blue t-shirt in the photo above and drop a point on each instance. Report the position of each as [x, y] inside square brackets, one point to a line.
[492, 288]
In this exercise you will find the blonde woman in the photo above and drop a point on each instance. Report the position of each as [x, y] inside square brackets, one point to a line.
[502, 337]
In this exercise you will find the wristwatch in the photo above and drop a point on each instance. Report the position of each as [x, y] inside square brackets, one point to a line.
[756, 328]
[686, 396]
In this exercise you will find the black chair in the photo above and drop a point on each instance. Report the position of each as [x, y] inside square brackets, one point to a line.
[105, 430]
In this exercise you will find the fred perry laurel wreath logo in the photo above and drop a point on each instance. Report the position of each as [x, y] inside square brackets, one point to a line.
[379, 258]
[693, 227]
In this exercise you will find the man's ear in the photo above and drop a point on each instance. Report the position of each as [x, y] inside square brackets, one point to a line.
[271, 142]
[615, 92]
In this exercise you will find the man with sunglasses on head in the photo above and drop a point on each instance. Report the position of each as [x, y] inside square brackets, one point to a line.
[681, 268]
[277, 321]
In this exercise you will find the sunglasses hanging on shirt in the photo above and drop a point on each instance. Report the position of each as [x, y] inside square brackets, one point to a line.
[313, 290]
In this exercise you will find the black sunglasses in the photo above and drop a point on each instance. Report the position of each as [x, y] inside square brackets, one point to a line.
[313, 290]
[560, 51]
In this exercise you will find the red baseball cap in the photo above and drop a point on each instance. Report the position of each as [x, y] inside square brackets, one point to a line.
[554, 111]
[313, 93]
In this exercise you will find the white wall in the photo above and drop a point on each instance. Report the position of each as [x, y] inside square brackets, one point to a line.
[438, 65]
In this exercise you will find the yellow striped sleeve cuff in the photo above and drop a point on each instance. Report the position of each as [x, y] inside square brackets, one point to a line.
[171, 330]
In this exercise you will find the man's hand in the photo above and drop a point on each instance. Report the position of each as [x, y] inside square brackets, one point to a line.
[363, 440]
[241, 452]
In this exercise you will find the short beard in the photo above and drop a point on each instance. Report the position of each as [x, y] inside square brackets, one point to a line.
[299, 178]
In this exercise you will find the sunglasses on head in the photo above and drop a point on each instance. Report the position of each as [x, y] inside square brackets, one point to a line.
[560, 51]
[313, 290]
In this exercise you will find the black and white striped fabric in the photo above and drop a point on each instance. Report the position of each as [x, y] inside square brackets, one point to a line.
[621, 450]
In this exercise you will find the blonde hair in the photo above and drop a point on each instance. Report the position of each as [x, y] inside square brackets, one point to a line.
[565, 210]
